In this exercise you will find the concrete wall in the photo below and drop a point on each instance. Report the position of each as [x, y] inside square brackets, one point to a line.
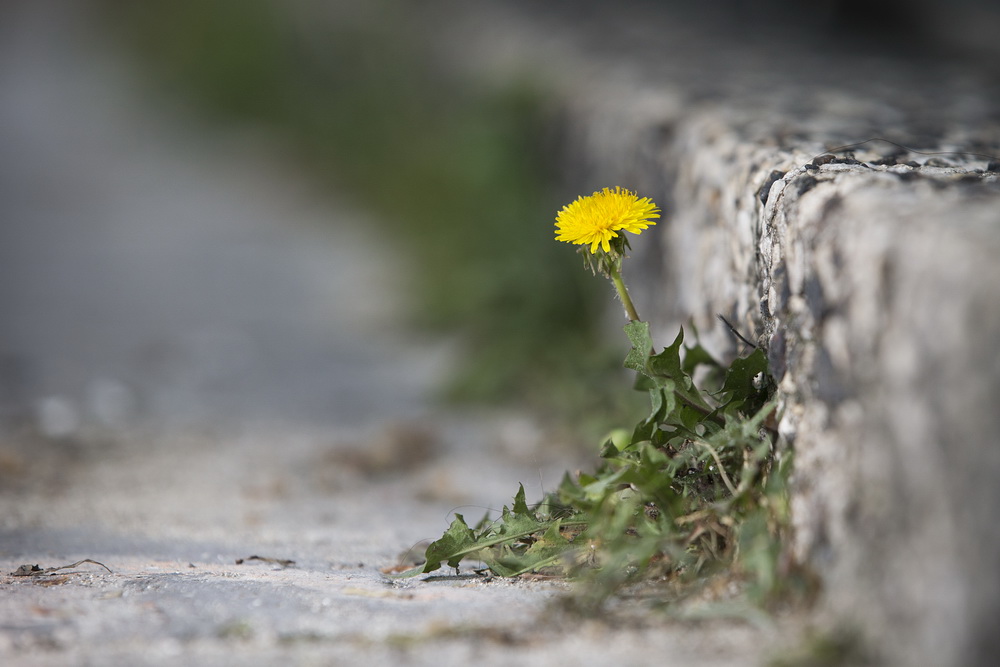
[874, 289]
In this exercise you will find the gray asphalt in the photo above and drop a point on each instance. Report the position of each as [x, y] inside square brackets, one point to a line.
[201, 361]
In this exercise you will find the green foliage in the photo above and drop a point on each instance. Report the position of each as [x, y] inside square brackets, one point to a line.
[522, 540]
[695, 489]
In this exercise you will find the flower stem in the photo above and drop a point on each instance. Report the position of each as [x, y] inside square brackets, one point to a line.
[616, 278]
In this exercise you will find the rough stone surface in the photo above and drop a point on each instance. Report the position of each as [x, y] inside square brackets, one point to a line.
[869, 274]
[873, 288]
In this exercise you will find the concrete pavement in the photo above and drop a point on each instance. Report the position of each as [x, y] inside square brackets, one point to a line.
[190, 379]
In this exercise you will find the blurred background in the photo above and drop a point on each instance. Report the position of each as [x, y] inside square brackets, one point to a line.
[311, 210]
[261, 210]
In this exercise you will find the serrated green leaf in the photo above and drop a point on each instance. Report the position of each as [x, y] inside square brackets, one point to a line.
[667, 366]
[516, 525]
[645, 429]
[457, 542]
[520, 506]
[668, 362]
[551, 543]
[689, 417]
[609, 449]
[658, 403]
[552, 537]
[637, 358]
[546, 550]
[503, 562]
[739, 384]
[642, 382]
[657, 485]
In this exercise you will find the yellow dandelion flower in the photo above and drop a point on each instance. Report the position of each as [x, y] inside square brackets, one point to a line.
[597, 219]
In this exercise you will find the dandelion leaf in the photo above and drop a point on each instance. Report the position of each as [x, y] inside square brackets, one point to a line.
[520, 506]
[637, 358]
[667, 366]
[739, 386]
[510, 561]
[457, 542]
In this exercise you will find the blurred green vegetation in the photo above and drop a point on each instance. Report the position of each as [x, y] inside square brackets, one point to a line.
[461, 174]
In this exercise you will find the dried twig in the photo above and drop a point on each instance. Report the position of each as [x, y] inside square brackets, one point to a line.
[36, 571]
[736, 333]
[718, 461]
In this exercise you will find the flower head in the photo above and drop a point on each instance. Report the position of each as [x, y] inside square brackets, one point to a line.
[597, 219]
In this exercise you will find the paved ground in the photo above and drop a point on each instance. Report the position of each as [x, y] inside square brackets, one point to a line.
[189, 377]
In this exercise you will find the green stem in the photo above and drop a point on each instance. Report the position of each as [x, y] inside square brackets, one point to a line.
[616, 278]
[615, 273]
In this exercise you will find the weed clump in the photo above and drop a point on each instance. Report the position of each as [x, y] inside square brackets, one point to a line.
[696, 488]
